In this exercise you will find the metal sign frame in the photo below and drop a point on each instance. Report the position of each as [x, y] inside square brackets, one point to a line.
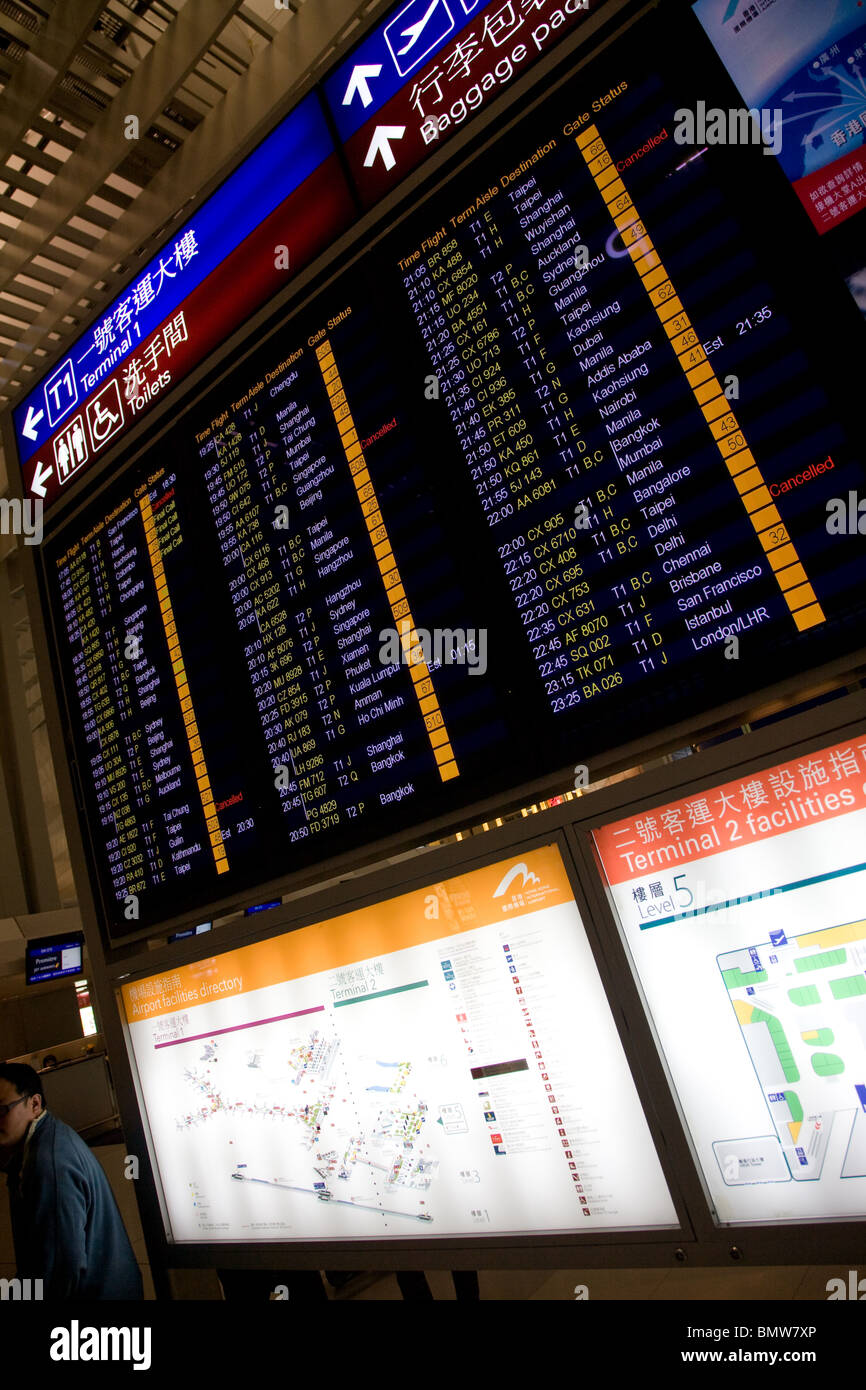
[700, 1241]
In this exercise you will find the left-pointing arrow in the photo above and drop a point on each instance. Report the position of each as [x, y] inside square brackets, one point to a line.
[380, 144]
[28, 429]
[359, 83]
[39, 478]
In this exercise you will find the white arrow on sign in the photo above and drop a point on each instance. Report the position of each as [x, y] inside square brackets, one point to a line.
[359, 83]
[28, 429]
[382, 135]
[39, 478]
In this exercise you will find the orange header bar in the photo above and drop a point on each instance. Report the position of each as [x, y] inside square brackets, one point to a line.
[803, 791]
[499, 892]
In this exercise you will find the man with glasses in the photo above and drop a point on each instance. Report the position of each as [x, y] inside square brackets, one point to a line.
[66, 1226]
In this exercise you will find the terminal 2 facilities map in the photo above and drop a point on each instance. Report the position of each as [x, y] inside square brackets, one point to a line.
[742, 908]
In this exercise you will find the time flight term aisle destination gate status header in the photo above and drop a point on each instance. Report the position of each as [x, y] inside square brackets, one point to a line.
[429, 542]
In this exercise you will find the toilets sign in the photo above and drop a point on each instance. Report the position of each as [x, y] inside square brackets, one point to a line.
[107, 410]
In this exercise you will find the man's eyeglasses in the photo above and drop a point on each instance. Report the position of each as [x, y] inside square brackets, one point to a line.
[4, 1109]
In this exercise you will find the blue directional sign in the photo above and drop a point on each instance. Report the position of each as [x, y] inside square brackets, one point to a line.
[422, 71]
[297, 146]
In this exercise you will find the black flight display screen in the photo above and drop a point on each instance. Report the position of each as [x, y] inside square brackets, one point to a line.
[551, 467]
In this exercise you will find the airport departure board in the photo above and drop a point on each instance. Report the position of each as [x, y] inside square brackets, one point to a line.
[405, 1070]
[549, 468]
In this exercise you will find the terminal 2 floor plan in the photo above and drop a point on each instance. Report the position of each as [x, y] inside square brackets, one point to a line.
[801, 1004]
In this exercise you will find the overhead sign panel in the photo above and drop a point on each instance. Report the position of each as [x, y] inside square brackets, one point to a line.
[427, 69]
[283, 205]
[405, 1070]
[742, 908]
[278, 210]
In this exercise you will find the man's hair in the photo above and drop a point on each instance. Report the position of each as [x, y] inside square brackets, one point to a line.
[23, 1078]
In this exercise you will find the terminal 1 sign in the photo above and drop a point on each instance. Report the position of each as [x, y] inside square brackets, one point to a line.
[219, 266]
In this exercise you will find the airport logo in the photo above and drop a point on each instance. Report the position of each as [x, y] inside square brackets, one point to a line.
[528, 877]
[417, 30]
[521, 889]
[743, 126]
[76, 1343]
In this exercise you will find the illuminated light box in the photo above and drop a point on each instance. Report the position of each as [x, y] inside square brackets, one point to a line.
[52, 957]
[742, 908]
[798, 65]
[190, 931]
[214, 272]
[413, 1068]
[426, 70]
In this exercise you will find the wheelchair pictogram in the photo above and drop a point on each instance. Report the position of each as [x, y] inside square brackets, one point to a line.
[105, 415]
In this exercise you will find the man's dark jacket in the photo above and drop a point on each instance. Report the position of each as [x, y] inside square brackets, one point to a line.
[66, 1226]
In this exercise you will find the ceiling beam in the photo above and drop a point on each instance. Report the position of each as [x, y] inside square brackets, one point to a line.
[245, 114]
[51, 52]
[144, 96]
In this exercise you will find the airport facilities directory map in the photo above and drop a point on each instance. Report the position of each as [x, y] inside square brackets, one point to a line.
[405, 1069]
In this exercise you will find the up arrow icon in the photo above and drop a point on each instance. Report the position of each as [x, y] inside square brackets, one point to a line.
[359, 83]
[380, 144]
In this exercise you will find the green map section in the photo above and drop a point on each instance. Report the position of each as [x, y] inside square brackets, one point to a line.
[827, 1064]
[780, 1043]
[735, 979]
[848, 988]
[804, 994]
[822, 960]
[794, 1105]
